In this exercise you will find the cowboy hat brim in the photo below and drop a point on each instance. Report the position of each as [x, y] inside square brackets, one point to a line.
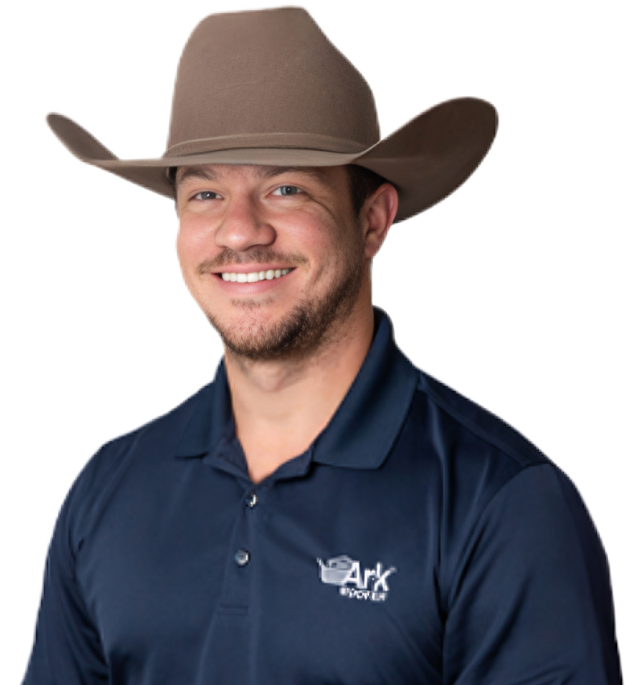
[426, 159]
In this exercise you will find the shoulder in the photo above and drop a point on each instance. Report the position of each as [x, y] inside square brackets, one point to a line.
[461, 414]
[474, 459]
[159, 436]
[472, 452]
[502, 501]
[99, 480]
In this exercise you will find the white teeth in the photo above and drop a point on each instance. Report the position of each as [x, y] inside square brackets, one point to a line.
[255, 276]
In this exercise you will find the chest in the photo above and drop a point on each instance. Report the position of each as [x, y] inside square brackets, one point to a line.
[212, 581]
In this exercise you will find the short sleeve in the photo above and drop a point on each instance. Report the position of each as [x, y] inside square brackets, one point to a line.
[531, 602]
[67, 649]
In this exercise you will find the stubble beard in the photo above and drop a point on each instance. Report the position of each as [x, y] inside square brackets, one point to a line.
[311, 325]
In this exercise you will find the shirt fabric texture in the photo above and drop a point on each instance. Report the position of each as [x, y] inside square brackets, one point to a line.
[419, 540]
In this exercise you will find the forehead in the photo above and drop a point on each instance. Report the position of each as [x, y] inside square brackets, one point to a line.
[219, 172]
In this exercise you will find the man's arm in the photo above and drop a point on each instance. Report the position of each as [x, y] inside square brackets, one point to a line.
[67, 649]
[530, 603]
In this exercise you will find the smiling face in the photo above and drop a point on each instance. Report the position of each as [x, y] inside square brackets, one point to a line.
[275, 257]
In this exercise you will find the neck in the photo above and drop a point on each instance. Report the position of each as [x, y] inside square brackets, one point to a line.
[281, 406]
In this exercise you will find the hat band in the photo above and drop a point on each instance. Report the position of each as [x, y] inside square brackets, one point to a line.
[313, 141]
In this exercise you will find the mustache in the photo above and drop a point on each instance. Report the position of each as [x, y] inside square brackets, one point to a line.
[256, 255]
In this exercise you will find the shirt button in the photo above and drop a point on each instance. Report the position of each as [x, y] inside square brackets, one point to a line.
[242, 557]
[252, 500]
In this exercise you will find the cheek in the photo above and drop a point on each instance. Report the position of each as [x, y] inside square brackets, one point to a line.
[192, 244]
[350, 245]
[183, 248]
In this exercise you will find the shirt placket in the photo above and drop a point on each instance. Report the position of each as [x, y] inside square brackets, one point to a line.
[241, 558]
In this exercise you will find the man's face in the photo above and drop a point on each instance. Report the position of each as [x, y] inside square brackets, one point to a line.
[275, 257]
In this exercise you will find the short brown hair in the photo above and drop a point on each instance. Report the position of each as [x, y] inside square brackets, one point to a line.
[362, 184]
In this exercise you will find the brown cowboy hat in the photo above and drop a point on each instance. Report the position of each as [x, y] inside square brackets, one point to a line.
[267, 87]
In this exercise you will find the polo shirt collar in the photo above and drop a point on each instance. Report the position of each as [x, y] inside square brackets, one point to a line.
[361, 432]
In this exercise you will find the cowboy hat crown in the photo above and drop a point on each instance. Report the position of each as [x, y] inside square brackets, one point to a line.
[268, 87]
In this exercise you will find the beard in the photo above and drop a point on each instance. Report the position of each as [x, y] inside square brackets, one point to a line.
[310, 325]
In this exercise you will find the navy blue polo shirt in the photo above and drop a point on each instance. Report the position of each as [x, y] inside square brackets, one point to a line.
[419, 540]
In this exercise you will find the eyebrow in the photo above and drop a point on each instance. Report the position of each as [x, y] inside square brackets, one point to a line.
[207, 174]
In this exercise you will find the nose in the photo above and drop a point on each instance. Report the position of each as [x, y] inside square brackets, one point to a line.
[243, 225]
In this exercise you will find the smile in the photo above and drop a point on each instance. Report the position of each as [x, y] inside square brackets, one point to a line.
[255, 276]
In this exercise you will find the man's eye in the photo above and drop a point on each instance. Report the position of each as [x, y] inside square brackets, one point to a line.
[286, 190]
[206, 195]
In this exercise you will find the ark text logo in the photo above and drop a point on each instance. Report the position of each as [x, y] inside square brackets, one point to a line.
[353, 581]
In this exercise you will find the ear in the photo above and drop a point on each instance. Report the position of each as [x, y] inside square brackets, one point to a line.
[377, 217]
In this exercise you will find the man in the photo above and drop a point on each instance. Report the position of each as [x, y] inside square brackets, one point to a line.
[323, 511]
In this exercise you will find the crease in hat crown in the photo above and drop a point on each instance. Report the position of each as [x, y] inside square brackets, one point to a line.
[268, 87]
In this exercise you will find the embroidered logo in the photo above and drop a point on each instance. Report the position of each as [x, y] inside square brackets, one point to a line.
[354, 583]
